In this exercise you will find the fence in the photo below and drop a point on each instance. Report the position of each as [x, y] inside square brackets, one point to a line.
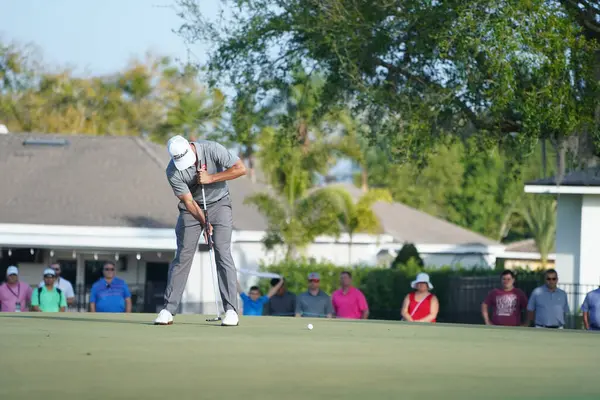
[465, 294]
[460, 302]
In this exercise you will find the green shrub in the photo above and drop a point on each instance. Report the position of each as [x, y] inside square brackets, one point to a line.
[408, 255]
[296, 273]
[385, 288]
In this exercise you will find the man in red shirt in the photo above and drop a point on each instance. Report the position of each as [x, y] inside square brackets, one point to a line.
[508, 303]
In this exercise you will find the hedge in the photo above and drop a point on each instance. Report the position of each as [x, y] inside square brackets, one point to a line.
[384, 288]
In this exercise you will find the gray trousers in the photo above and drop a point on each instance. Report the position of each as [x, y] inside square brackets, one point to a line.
[188, 232]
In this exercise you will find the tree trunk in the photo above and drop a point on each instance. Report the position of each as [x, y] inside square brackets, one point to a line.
[350, 251]
[290, 251]
[251, 170]
[544, 159]
[303, 135]
[365, 180]
[561, 155]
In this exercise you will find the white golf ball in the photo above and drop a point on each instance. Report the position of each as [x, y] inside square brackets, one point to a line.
[309, 326]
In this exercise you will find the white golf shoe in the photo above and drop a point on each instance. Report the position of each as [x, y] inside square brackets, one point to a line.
[231, 318]
[164, 318]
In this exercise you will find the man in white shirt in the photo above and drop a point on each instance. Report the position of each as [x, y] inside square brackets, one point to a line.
[63, 285]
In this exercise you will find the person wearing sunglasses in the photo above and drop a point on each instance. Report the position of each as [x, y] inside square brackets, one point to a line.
[110, 294]
[314, 302]
[64, 285]
[548, 304]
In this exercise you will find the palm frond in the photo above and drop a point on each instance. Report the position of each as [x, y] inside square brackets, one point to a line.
[539, 213]
[271, 207]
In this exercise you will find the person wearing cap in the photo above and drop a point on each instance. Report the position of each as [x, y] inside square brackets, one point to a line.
[62, 283]
[314, 302]
[193, 166]
[15, 296]
[49, 298]
[420, 305]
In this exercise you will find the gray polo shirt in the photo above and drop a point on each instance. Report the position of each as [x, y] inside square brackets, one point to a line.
[216, 158]
[308, 305]
[550, 307]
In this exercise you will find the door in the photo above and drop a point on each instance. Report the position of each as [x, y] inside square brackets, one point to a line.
[157, 274]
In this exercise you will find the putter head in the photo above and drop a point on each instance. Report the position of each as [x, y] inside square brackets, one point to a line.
[215, 319]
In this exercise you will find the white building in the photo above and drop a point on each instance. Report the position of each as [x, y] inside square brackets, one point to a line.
[577, 227]
[82, 200]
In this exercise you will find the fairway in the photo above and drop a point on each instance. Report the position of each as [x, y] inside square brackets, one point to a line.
[124, 356]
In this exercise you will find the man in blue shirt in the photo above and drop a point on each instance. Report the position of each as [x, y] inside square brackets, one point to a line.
[110, 294]
[591, 310]
[253, 302]
[548, 304]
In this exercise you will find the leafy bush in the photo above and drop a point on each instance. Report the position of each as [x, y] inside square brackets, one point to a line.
[296, 273]
[408, 255]
[385, 288]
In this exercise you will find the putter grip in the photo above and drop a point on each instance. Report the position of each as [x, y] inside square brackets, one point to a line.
[208, 235]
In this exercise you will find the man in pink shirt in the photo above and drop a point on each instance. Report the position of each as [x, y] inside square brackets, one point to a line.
[15, 296]
[348, 301]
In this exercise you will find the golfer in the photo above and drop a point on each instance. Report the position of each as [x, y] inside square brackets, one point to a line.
[192, 165]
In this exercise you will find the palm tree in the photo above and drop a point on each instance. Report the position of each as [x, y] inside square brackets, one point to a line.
[358, 216]
[295, 220]
[539, 213]
[351, 141]
[247, 122]
[190, 107]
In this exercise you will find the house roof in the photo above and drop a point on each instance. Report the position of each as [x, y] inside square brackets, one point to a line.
[409, 225]
[586, 177]
[120, 181]
[524, 246]
[98, 181]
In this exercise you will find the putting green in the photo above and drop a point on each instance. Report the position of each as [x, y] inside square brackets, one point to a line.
[123, 356]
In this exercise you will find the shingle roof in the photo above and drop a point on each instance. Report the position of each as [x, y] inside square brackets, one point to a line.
[586, 177]
[407, 224]
[97, 181]
[120, 181]
[524, 246]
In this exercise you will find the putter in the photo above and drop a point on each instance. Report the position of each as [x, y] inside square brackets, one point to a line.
[213, 266]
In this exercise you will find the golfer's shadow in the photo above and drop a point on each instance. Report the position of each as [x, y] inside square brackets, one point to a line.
[112, 321]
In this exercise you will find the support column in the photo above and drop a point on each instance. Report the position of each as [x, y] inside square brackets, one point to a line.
[588, 270]
[568, 243]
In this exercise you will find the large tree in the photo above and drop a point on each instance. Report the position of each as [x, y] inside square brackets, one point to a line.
[512, 71]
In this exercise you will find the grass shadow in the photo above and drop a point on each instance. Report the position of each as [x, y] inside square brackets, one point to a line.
[113, 321]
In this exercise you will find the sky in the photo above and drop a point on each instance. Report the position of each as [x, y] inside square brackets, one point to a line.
[98, 36]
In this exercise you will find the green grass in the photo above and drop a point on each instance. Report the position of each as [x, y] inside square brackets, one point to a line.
[94, 356]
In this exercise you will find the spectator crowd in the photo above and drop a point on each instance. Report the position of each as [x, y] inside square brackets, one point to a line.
[508, 305]
[56, 294]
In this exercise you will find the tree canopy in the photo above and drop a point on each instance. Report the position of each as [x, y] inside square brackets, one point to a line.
[507, 72]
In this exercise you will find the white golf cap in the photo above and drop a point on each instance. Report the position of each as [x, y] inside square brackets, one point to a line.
[49, 271]
[12, 270]
[181, 152]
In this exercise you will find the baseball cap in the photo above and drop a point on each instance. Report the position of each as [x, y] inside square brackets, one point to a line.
[49, 271]
[314, 275]
[181, 153]
[12, 270]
